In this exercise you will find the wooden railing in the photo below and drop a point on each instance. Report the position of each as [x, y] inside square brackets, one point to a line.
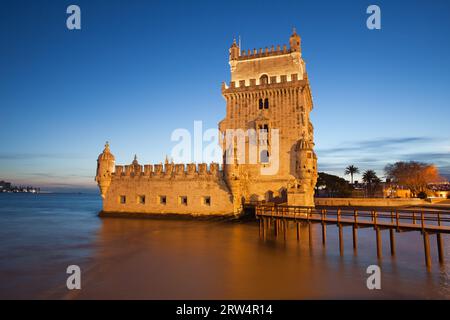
[395, 219]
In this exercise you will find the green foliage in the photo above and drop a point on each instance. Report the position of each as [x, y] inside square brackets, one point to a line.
[333, 186]
[351, 170]
[422, 195]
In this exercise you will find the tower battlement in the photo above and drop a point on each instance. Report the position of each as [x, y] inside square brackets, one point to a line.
[266, 52]
[279, 81]
[168, 170]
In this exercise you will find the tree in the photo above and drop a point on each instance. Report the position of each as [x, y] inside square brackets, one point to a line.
[372, 182]
[412, 174]
[351, 170]
[333, 186]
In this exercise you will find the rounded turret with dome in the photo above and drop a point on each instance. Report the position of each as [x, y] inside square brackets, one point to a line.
[105, 169]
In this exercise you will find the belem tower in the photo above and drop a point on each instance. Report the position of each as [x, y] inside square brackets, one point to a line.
[268, 95]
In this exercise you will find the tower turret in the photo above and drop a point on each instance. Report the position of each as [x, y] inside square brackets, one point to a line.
[294, 41]
[105, 168]
[234, 51]
[301, 191]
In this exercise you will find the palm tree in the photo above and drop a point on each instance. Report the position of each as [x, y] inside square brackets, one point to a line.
[369, 176]
[351, 170]
[372, 181]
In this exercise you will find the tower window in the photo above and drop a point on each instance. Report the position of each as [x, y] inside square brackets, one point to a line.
[123, 199]
[264, 79]
[163, 200]
[266, 103]
[207, 201]
[141, 199]
[183, 200]
[261, 103]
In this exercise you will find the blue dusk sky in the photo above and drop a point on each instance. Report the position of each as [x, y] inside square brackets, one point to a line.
[137, 70]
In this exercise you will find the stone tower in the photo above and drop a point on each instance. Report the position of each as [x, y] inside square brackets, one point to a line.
[105, 169]
[267, 135]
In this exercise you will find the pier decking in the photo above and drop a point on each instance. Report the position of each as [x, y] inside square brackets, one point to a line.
[395, 220]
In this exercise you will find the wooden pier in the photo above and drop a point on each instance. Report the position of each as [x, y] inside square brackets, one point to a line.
[395, 220]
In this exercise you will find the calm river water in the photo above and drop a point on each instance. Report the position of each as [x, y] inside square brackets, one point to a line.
[41, 235]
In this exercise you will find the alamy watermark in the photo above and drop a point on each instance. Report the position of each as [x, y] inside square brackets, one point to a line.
[73, 282]
[73, 21]
[233, 146]
[374, 280]
[374, 20]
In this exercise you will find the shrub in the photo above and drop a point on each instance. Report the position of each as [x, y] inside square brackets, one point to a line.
[422, 195]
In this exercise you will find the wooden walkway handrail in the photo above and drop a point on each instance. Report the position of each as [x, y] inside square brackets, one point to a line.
[425, 221]
[439, 220]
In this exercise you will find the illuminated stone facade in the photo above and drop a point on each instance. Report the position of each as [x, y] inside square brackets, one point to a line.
[269, 156]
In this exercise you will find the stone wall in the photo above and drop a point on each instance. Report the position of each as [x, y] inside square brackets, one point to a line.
[196, 196]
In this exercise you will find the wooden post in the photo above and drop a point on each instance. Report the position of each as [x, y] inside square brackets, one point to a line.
[298, 231]
[414, 217]
[379, 244]
[310, 233]
[426, 245]
[341, 241]
[260, 227]
[392, 240]
[355, 238]
[264, 228]
[397, 219]
[284, 229]
[275, 227]
[422, 220]
[324, 233]
[440, 247]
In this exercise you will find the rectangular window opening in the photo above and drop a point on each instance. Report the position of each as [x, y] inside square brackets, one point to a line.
[162, 200]
[207, 201]
[183, 200]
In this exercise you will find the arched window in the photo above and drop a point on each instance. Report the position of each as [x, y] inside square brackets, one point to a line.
[266, 103]
[261, 104]
[264, 79]
[264, 156]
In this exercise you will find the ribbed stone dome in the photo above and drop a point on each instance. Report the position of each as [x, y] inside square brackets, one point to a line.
[106, 154]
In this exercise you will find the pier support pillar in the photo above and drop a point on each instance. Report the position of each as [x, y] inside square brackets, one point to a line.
[324, 233]
[392, 241]
[379, 243]
[298, 231]
[275, 227]
[426, 246]
[355, 238]
[264, 228]
[310, 234]
[440, 247]
[341, 241]
[260, 227]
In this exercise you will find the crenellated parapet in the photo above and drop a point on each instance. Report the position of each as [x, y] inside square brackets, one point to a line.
[236, 54]
[266, 52]
[274, 82]
[168, 170]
